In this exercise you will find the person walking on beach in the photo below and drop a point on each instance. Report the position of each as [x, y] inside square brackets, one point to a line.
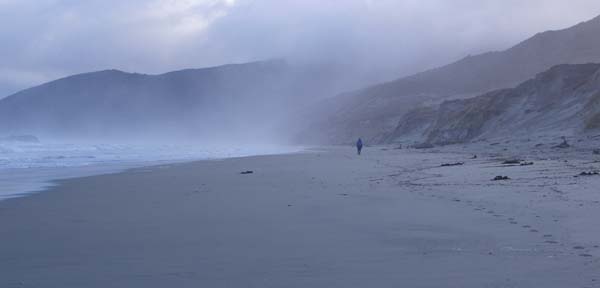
[359, 145]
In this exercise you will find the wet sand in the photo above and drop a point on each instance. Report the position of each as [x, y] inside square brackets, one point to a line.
[390, 218]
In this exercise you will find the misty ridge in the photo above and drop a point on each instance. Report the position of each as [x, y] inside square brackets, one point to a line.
[248, 102]
[386, 112]
[277, 101]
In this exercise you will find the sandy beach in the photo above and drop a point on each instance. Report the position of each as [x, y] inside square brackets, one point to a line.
[389, 218]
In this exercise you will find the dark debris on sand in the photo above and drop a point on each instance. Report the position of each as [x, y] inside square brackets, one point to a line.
[515, 162]
[247, 172]
[452, 164]
[592, 173]
[423, 146]
[563, 145]
[501, 178]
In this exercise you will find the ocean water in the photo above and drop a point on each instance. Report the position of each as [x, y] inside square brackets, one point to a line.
[27, 168]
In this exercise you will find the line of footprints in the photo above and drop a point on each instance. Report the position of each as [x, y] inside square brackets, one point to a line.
[548, 238]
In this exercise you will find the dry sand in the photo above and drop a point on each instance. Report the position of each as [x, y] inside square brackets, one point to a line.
[390, 218]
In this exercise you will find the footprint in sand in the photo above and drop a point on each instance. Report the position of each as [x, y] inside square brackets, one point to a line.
[534, 231]
[526, 226]
[547, 235]
[585, 255]
[514, 222]
[579, 248]
[551, 242]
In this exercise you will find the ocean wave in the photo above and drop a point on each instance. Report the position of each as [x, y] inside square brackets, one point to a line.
[38, 155]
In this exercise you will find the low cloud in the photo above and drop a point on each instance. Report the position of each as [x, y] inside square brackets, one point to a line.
[44, 39]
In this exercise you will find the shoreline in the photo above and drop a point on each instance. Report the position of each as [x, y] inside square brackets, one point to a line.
[388, 218]
[23, 182]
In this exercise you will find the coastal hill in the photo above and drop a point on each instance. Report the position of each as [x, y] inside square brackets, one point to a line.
[230, 102]
[562, 101]
[374, 112]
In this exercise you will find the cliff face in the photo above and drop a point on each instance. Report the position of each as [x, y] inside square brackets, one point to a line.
[563, 100]
[414, 124]
[377, 110]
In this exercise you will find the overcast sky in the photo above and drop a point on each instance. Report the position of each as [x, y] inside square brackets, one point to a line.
[46, 39]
